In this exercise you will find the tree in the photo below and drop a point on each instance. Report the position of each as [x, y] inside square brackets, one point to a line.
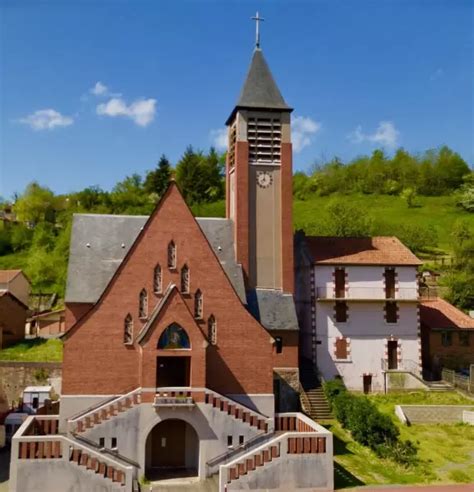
[409, 195]
[129, 197]
[156, 181]
[347, 219]
[36, 204]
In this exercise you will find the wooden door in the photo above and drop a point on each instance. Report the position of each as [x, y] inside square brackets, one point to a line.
[340, 281]
[168, 444]
[392, 347]
[172, 371]
[367, 383]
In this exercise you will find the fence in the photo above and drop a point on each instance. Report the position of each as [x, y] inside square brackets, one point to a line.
[465, 383]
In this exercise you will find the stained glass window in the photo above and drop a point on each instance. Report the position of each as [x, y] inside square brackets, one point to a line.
[174, 337]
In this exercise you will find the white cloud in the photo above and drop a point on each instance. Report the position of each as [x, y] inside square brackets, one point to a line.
[385, 134]
[46, 119]
[219, 138]
[99, 89]
[303, 129]
[141, 111]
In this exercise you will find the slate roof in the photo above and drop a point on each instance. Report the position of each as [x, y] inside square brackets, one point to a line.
[275, 310]
[260, 90]
[100, 242]
[378, 250]
[438, 313]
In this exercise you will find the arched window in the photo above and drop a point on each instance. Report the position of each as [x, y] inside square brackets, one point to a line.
[212, 330]
[128, 330]
[171, 255]
[185, 280]
[157, 280]
[198, 304]
[174, 337]
[143, 304]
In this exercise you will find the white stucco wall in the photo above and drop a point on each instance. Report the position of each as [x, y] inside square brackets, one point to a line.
[366, 329]
[367, 281]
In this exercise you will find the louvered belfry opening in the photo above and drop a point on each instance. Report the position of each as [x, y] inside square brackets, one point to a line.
[264, 137]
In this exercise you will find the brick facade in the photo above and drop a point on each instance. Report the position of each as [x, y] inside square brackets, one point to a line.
[13, 314]
[96, 361]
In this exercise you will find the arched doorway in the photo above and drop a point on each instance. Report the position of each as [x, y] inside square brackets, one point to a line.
[172, 450]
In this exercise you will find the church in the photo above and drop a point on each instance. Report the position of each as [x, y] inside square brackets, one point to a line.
[181, 359]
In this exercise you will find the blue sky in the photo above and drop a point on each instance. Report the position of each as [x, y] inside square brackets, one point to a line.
[360, 74]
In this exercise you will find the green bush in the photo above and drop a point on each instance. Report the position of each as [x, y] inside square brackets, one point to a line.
[367, 424]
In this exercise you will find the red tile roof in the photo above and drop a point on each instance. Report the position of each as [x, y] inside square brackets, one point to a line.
[378, 250]
[438, 313]
[8, 275]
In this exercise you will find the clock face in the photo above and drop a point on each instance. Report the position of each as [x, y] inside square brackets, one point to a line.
[264, 179]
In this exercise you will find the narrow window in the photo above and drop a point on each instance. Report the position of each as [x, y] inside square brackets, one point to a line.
[279, 345]
[157, 280]
[185, 280]
[341, 349]
[143, 304]
[389, 283]
[102, 442]
[340, 283]
[212, 330]
[128, 329]
[464, 338]
[391, 312]
[446, 338]
[229, 441]
[241, 440]
[35, 402]
[341, 311]
[198, 304]
[171, 255]
[113, 443]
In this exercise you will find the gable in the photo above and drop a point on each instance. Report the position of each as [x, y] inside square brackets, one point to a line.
[99, 334]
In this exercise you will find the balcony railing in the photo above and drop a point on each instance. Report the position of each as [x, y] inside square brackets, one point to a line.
[367, 294]
[406, 365]
[173, 397]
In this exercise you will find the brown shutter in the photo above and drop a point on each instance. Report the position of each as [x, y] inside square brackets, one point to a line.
[341, 348]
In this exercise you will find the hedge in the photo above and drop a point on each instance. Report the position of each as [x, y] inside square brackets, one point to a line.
[368, 426]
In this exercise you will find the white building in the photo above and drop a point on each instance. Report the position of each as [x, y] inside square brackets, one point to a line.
[34, 397]
[363, 320]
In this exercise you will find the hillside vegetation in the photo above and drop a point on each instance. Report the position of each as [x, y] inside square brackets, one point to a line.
[426, 200]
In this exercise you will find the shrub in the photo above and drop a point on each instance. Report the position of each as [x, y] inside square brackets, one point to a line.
[368, 426]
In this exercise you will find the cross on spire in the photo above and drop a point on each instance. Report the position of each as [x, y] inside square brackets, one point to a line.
[257, 20]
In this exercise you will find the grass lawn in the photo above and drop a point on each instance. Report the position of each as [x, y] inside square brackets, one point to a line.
[14, 261]
[446, 451]
[37, 350]
[439, 212]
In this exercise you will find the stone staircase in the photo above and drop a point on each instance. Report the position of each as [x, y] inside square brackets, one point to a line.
[319, 406]
[439, 386]
[104, 412]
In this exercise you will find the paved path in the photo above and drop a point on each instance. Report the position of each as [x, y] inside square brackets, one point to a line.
[469, 487]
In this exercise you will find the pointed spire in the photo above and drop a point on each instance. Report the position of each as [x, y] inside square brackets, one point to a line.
[260, 90]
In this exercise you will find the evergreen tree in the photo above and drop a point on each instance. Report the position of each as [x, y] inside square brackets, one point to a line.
[156, 181]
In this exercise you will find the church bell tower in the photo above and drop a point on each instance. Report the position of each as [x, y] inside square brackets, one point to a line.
[259, 180]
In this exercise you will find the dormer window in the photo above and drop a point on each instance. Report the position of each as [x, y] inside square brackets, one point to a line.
[143, 304]
[157, 280]
[264, 136]
[172, 255]
[185, 280]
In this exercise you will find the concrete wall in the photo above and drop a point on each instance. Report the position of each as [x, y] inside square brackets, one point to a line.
[290, 472]
[131, 428]
[16, 376]
[468, 417]
[428, 414]
[59, 476]
[397, 381]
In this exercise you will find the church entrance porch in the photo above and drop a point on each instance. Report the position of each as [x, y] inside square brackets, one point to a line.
[172, 371]
[172, 451]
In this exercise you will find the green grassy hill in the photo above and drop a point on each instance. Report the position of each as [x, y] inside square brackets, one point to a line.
[388, 213]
